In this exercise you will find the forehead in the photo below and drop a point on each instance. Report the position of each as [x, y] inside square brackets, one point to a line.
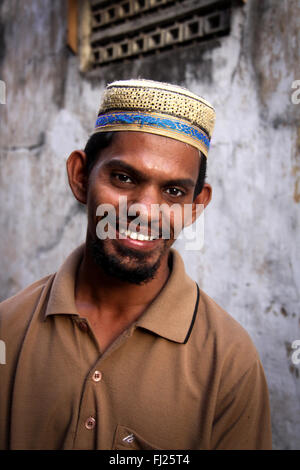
[153, 154]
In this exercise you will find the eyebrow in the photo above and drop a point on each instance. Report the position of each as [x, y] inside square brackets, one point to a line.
[120, 164]
[116, 163]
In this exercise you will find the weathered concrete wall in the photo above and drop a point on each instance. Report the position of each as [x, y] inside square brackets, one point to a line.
[250, 263]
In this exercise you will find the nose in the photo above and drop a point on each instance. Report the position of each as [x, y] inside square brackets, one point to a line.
[145, 199]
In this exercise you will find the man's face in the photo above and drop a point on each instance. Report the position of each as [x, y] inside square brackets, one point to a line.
[147, 169]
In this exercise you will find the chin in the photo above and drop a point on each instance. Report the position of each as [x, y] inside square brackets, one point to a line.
[125, 264]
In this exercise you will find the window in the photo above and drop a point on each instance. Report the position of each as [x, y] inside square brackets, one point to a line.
[127, 29]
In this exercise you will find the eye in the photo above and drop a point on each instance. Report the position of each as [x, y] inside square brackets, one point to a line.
[175, 192]
[122, 178]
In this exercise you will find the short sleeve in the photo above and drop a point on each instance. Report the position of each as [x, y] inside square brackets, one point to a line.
[242, 419]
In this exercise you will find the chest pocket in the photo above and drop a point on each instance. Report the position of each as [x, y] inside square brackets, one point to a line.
[127, 439]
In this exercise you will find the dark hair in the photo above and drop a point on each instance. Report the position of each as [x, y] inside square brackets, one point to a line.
[100, 140]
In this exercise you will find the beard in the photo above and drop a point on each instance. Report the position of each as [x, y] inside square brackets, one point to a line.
[115, 265]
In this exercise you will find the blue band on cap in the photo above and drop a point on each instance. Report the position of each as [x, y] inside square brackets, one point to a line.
[152, 121]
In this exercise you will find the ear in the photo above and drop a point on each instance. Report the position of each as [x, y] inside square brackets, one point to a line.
[77, 175]
[201, 201]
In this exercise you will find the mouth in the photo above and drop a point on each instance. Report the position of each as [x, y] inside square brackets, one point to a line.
[137, 240]
[143, 237]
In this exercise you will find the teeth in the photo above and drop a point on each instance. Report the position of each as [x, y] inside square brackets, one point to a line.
[136, 236]
[133, 235]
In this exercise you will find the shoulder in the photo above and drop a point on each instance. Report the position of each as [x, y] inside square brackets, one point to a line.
[226, 354]
[15, 316]
[17, 310]
[223, 335]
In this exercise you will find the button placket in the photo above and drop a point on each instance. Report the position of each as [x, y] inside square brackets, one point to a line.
[88, 414]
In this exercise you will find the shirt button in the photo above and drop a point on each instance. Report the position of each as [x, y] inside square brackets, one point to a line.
[83, 326]
[90, 423]
[97, 376]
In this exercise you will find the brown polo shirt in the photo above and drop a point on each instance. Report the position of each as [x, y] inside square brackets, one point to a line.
[185, 375]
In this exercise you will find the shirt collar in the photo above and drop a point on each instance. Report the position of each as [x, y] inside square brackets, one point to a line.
[170, 315]
[62, 295]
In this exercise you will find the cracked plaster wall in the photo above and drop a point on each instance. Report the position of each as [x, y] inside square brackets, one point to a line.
[250, 263]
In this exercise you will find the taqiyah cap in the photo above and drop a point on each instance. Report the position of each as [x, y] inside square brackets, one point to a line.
[157, 108]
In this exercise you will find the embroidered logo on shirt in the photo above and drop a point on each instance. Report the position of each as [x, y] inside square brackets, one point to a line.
[129, 438]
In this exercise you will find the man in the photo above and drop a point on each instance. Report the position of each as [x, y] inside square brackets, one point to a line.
[121, 349]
